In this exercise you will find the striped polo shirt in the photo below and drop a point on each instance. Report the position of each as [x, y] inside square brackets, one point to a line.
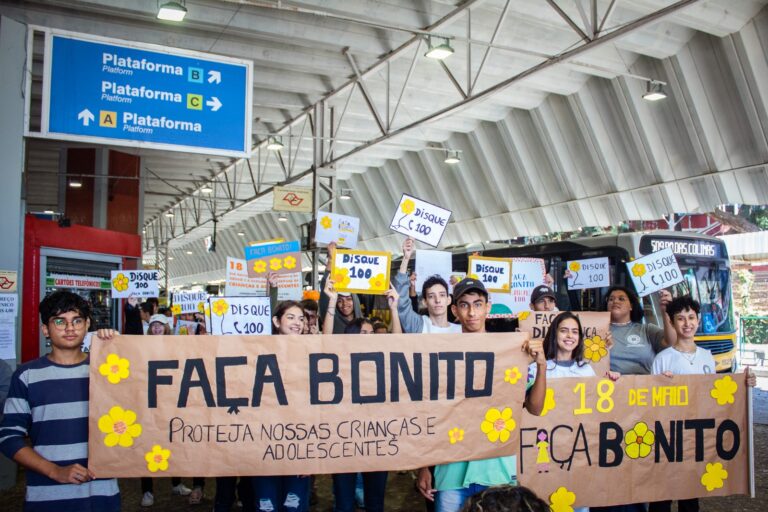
[48, 403]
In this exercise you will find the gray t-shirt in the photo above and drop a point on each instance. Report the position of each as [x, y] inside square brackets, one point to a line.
[634, 347]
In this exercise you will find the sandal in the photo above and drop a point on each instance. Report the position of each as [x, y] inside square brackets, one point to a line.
[196, 496]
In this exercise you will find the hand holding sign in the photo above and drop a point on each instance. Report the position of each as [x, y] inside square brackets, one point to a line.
[494, 273]
[361, 271]
[654, 272]
[139, 283]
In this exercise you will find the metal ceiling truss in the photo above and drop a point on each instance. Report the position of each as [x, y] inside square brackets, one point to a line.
[235, 197]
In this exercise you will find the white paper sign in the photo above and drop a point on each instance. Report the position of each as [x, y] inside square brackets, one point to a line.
[494, 273]
[289, 286]
[7, 338]
[527, 274]
[238, 282]
[9, 304]
[361, 271]
[589, 273]
[134, 283]
[332, 227]
[430, 263]
[420, 220]
[654, 272]
[185, 328]
[189, 302]
[240, 315]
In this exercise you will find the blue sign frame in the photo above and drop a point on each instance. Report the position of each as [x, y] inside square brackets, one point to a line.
[108, 91]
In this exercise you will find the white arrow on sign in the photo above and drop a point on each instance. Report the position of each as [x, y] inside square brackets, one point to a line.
[214, 103]
[214, 77]
[85, 116]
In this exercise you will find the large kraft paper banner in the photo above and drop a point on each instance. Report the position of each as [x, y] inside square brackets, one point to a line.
[638, 440]
[596, 326]
[289, 405]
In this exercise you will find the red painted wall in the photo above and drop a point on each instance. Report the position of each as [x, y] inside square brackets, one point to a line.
[123, 195]
[79, 201]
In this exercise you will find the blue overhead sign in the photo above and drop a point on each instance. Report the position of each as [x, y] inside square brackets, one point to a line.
[136, 95]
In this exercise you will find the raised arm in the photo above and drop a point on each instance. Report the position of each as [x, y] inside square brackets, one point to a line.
[330, 313]
[392, 301]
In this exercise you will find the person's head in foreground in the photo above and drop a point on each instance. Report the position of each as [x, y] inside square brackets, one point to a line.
[543, 298]
[564, 340]
[505, 498]
[684, 314]
[436, 296]
[159, 324]
[65, 318]
[288, 318]
[470, 305]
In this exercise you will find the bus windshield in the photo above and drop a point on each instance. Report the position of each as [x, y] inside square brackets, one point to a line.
[709, 283]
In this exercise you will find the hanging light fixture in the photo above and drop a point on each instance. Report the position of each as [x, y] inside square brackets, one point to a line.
[439, 51]
[75, 183]
[275, 144]
[452, 157]
[240, 233]
[654, 91]
[346, 194]
[171, 11]
[282, 217]
[206, 189]
[169, 214]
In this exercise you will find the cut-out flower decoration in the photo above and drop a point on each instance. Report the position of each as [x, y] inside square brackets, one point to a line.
[176, 309]
[523, 315]
[549, 402]
[220, 307]
[378, 282]
[289, 262]
[120, 282]
[456, 435]
[562, 500]
[341, 277]
[713, 478]
[260, 266]
[512, 375]
[326, 222]
[505, 287]
[638, 270]
[157, 459]
[201, 307]
[275, 264]
[575, 266]
[639, 441]
[498, 424]
[120, 426]
[115, 368]
[595, 348]
[407, 207]
[724, 390]
[473, 276]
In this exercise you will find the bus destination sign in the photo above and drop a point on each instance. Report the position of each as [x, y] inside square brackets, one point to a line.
[681, 246]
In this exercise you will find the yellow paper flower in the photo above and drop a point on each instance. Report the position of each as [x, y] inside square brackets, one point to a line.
[326, 222]
[289, 262]
[713, 478]
[505, 287]
[176, 309]
[341, 277]
[595, 348]
[120, 282]
[407, 207]
[275, 264]
[512, 375]
[724, 390]
[201, 307]
[549, 402]
[455, 435]
[498, 424]
[378, 282]
[639, 441]
[220, 307]
[562, 500]
[260, 266]
[638, 270]
[120, 426]
[473, 276]
[575, 266]
[157, 459]
[523, 315]
[183, 330]
[115, 369]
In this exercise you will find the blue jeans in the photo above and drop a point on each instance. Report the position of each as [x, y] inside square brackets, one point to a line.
[281, 493]
[374, 488]
[452, 500]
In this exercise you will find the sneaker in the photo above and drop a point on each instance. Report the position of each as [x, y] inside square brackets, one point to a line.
[180, 490]
[147, 500]
[196, 496]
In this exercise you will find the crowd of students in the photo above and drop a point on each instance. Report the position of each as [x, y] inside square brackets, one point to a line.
[45, 425]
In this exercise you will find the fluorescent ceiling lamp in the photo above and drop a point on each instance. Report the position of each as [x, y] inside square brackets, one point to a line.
[190, 252]
[206, 189]
[283, 218]
[48, 212]
[452, 157]
[654, 91]
[346, 194]
[440, 51]
[75, 184]
[170, 257]
[274, 144]
[240, 233]
[169, 214]
[171, 11]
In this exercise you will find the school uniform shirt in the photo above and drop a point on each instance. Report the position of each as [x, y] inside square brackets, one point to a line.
[634, 347]
[560, 369]
[679, 363]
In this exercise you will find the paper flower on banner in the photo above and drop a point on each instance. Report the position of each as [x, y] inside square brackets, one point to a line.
[157, 459]
[498, 424]
[289, 262]
[639, 441]
[523, 315]
[713, 478]
[220, 307]
[378, 282]
[408, 207]
[275, 264]
[201, 307]
[120, 426]
[176, 309]
[638, 270]
[562, 500]
[120, 282]
[115, 368]
[456, 435]
[724, 390]
[512, 375]
[575, 266]
[341, 277]
[549, 402]
[260, 266]
[595, 348]
[326, 222]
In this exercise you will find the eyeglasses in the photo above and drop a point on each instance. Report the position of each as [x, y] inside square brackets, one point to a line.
[61, 323]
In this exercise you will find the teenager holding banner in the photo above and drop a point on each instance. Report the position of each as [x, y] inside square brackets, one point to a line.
[457, 481]
[435, 294]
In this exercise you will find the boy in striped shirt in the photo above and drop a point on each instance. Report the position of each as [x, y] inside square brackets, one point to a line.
[48, 403]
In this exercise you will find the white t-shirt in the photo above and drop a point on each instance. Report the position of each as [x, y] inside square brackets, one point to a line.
[429, 327]
[560, 369]
[672, 360]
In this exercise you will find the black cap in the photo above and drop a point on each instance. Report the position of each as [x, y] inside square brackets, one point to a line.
[467, 285]
[540, 292]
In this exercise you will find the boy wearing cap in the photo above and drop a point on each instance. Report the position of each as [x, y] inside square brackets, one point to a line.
[457, 481]
[543, 299]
